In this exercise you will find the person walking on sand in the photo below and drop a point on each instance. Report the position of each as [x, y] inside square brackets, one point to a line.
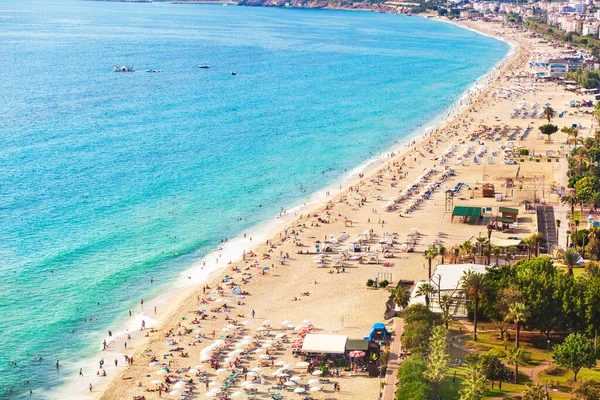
[253, 313]
[80, 371]
[91, 387]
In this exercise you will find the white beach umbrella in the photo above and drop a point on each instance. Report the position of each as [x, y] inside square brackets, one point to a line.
[317, 372]
[315, 389]
[299, 390]
[193, 371]
[250, 386]
[313, 381]
[289, 367]
[247, 337]
[161, 372]
[156, 382]
[261, 328]
[237, 395]
[175, 393]
[231, 326]
[296, 378]
[239, 345]
[221, 371]
[264, 357]
[211, 394]
[286, 322]
[213, 383]
[280, 363]
[219, 342]
[204, 357]
[246, 323]
[289, 383]
[259, 351]
[200, 366]
[302, 364]
[281, 374]
[257, 369]
[252, 373]
[266, 322]
[154, 364]
[228, 359]
[291, 326]
[179, 385]
[306, 321]
[280, 335]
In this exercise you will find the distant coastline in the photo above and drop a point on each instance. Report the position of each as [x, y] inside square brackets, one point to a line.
[384, 7]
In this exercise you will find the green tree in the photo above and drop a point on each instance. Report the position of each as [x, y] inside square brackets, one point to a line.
[586, 389]
[430, 254]
[516, 357]
[411, 378]
[548, 130]
[574, 353]
[548, 113]
[517, 313]
[507, 296]
[401, 296]
[474, 384]
[446, 303]
[492, 367]
[572, 135]
[426, 290]
[535, 392]
[442, 251]
[587, 187]
[419, 312]
[474, 285]
[570, 257]
[437, 358]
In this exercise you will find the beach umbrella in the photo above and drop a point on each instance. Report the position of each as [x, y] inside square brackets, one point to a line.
[286, 322]
[282, 374]
[193, 371]
[315, 389]
[261, 328]
[306, 321]
[302, 364]
[264, 356]
[296, 378]
[250, 386]
[317, 372]
[246, 323]
[259, 350]
[266, 322]
[357, 354]
[299, 390]
[211, 394]
[237, 395]
[204, 357]
[280, 363]
[225, 329]
[156, 382]
[289, 367]
[221, 371]
[175, 393]
[257, 369]
[247, 337]
[252, 373]
[289, 383]
[228, 359]
[280, 335]
[154, 364]
[179, 385]
[213, 383]
[231, 326]
[200, 366]
[161, 372]
[313, 381]
[238, 345]
[291, 326]
[219, 342]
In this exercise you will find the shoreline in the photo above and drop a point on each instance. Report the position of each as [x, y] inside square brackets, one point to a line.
[182, 288]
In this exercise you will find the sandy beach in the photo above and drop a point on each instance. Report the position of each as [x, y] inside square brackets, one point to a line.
[278, 283]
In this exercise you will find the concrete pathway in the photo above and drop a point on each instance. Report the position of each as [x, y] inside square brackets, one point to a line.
[393, 362]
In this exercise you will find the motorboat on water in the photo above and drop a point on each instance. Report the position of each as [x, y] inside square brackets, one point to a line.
[124, 68]
[154, 70]
[234, 73]
[204, 66]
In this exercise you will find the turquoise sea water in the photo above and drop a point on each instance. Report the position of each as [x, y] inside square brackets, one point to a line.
[107, 178]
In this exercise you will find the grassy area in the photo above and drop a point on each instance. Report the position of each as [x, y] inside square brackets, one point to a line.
[452, 384]
[577, 271]
[489, 341]
[562, 379]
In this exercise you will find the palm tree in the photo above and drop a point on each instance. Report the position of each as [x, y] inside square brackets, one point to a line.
[516, 357]
[508, 253]
[569, 200]
[467, 247]
[537, 239]
[557, 229]
[535, 392]
[527, 242]
[548, 113]
[480, 242]
[517, 313]
[401, 296]
[442, 251]
[570, 257]
[572, 135]
[430, 255]
[496, 252]
[425, 290]
[474, 285]
[456, 257]
[445, 303]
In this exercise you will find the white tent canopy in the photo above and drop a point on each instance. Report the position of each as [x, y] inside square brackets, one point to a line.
[452, 273]
[331, 344]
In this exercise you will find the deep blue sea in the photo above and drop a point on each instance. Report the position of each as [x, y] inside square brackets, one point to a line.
[108, 178]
